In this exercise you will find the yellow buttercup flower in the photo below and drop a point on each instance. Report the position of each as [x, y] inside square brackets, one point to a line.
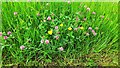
[81, 28]
[61, 24]
[69, 28]
[50, 32]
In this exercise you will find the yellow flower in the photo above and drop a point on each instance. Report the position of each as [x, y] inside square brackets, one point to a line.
[61, 24]
[50, 32]
[69, 28]
[81, 28]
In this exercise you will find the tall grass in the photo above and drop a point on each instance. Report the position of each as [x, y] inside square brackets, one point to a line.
[28, 29]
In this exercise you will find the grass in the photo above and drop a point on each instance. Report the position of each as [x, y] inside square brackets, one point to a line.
[28, 28]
